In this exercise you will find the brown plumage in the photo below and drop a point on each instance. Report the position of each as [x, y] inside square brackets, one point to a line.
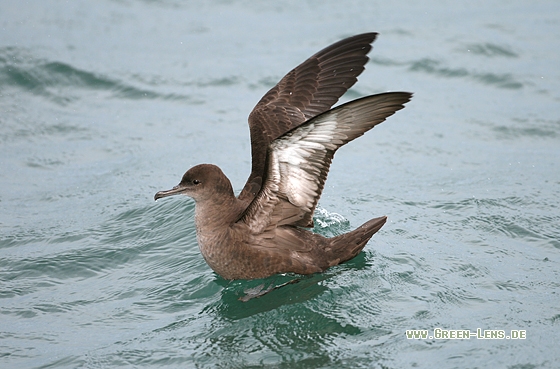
[294, 136]
[308, 90]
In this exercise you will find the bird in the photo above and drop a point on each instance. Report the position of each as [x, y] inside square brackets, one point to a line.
[294, 133]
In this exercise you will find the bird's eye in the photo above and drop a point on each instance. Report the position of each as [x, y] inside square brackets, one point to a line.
[196, 181]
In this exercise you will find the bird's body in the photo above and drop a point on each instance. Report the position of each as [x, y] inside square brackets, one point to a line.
[294, 136]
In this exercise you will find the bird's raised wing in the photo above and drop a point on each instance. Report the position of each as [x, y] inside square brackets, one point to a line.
[298, 162]
[306, 91]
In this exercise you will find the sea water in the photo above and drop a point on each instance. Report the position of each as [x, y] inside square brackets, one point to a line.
[104, 103]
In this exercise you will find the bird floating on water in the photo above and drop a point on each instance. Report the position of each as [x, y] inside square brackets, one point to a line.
[294, 135]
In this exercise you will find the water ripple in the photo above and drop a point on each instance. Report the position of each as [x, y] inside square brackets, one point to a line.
[57, 80]
[490, 50]
[435, 67]
[523, 128]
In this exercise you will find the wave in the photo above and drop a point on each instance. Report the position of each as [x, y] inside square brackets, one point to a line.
[489, 49]
[436, 67]
[439, 68]
[58, 81]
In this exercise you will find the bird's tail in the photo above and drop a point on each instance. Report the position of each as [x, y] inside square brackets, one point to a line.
[348, 245]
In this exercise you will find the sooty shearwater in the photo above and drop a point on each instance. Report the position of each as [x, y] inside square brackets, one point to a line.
[294, 135]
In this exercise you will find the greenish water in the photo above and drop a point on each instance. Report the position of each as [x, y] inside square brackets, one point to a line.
[104, 103]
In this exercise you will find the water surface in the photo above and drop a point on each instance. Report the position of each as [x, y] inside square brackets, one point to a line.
[104, 103]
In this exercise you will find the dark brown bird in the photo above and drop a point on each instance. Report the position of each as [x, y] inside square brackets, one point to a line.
[294, 136]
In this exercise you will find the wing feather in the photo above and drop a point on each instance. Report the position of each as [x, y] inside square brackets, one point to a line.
[305, 92]
[299, 161]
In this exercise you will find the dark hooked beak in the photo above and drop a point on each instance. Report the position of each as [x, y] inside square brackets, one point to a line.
[177, 190]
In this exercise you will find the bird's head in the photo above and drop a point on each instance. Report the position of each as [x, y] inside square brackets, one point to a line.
[201, 182]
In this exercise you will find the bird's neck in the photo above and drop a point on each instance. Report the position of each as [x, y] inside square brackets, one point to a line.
[214, 219]
[217, 212]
